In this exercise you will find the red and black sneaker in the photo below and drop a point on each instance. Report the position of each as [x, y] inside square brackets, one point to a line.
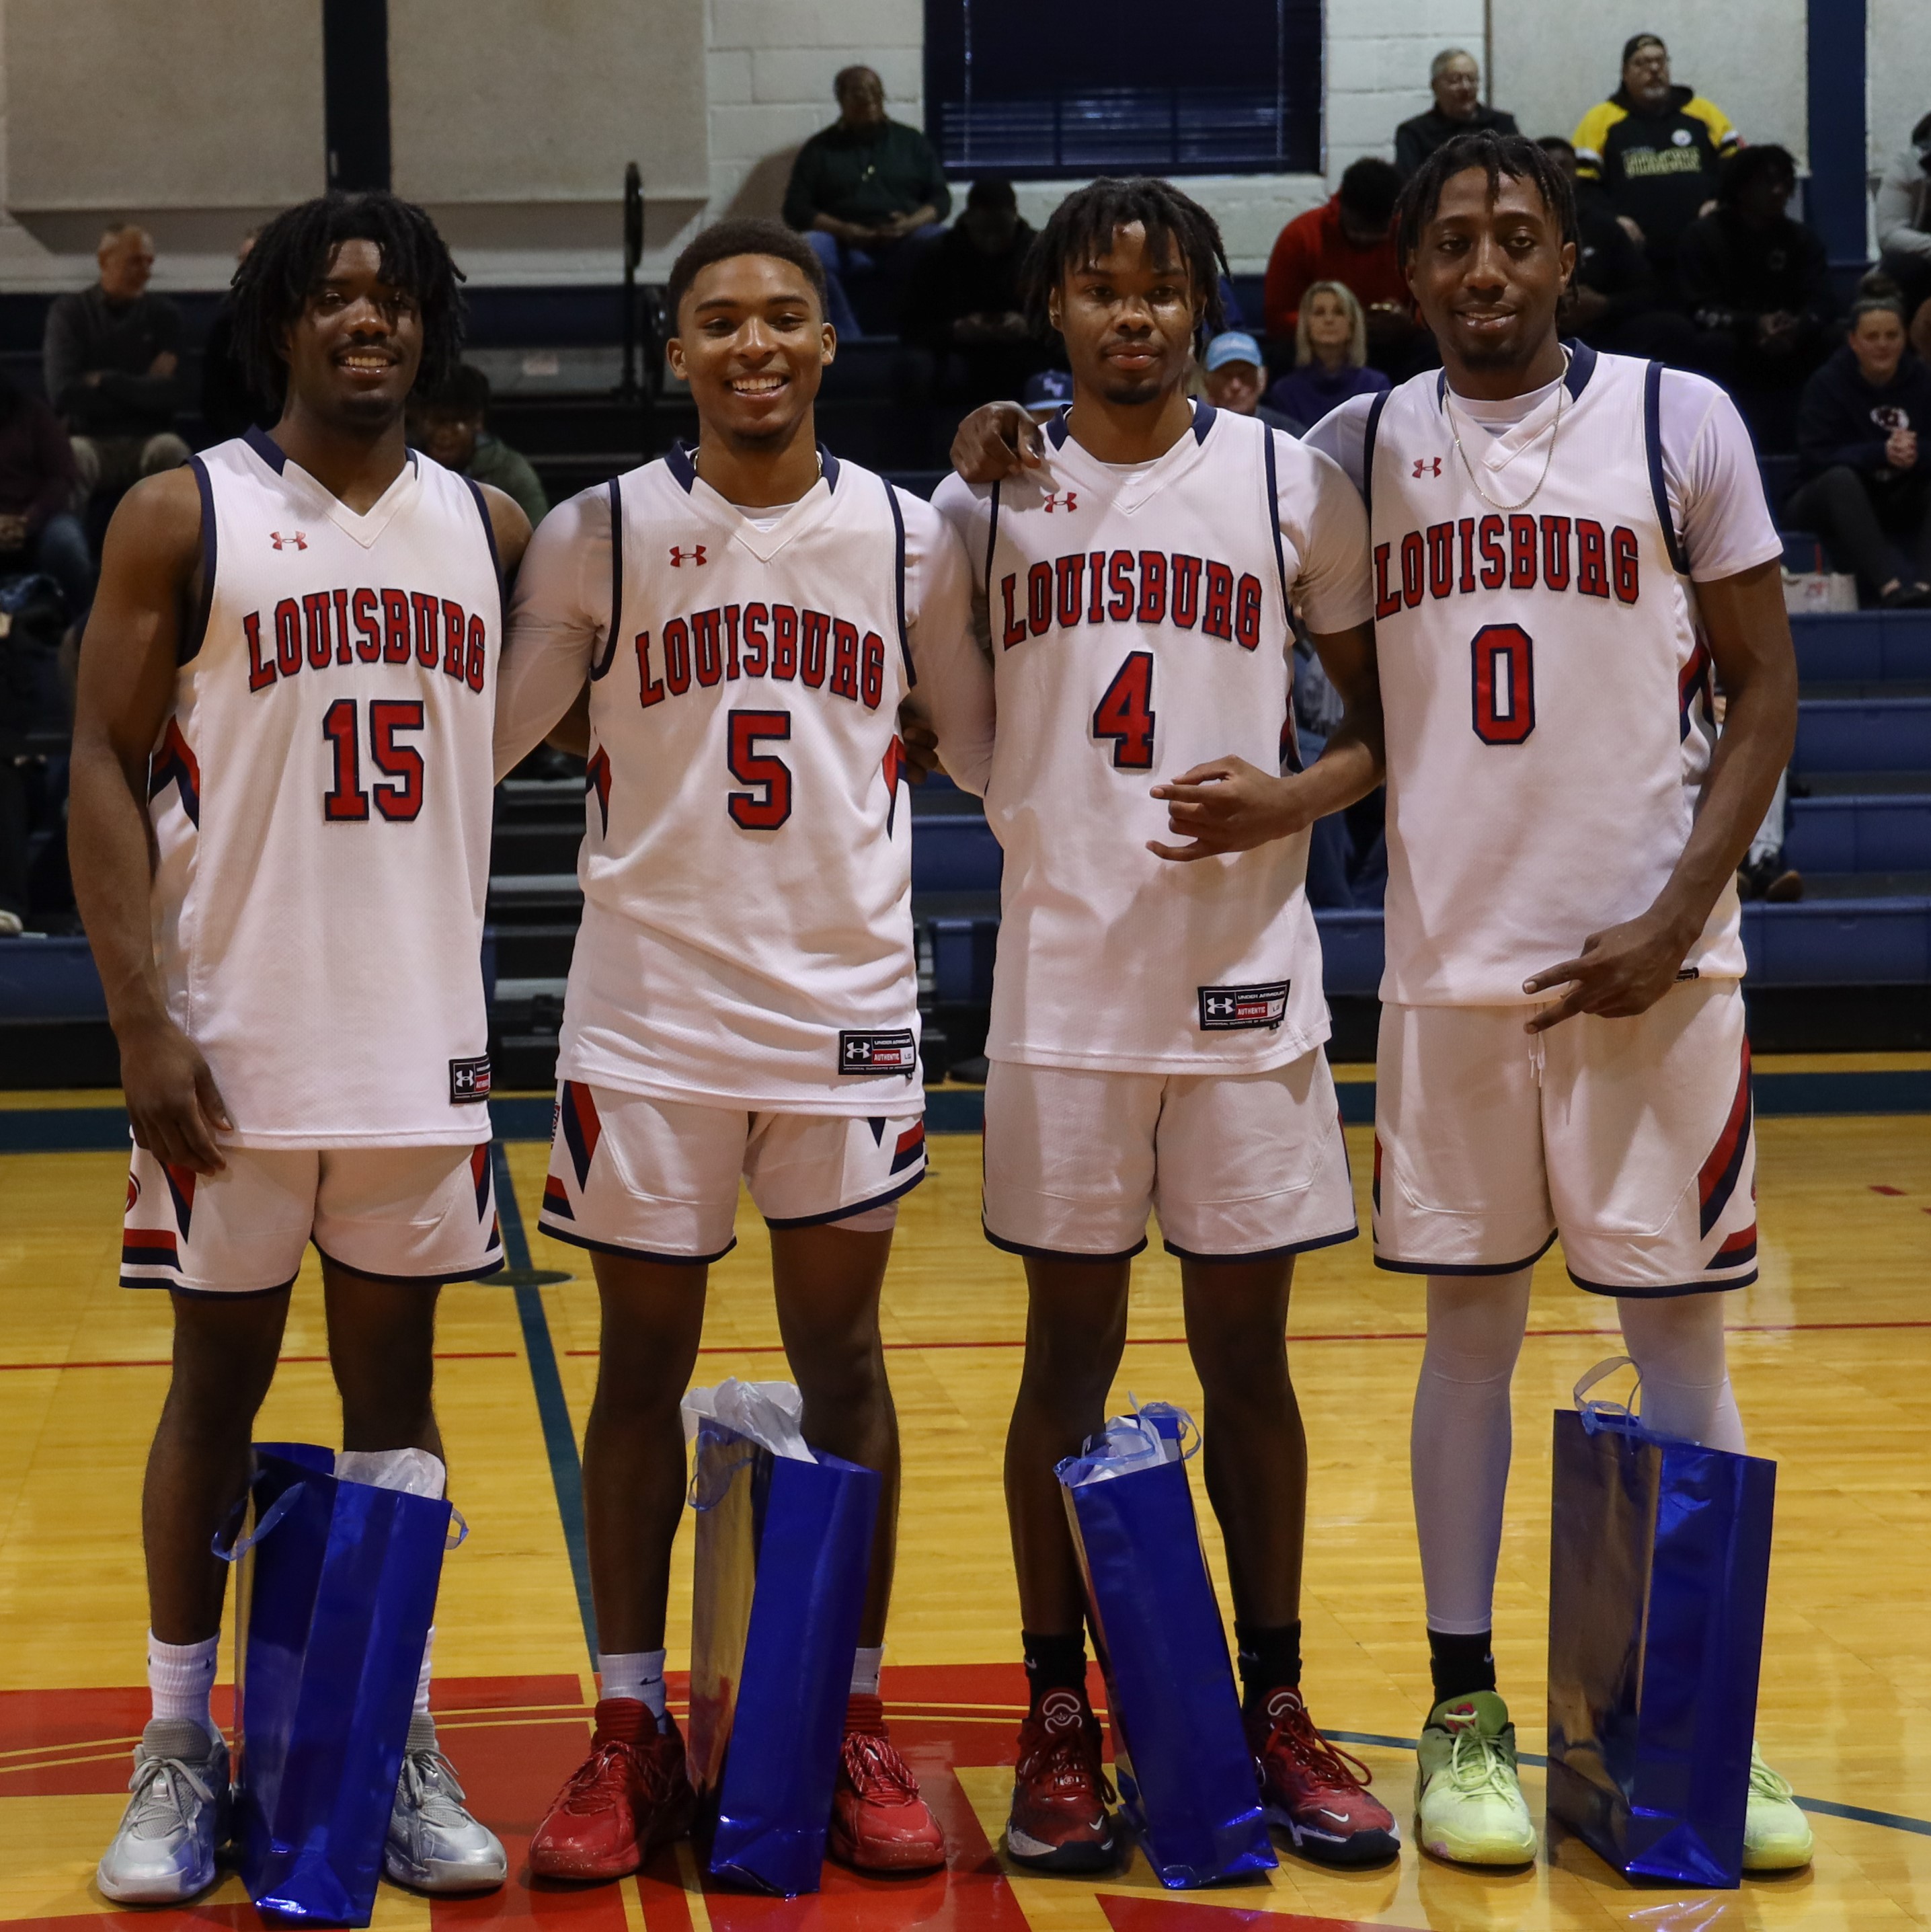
[879, 1823]
[1060, 1822]
[629, 1796]
[1315, 1793]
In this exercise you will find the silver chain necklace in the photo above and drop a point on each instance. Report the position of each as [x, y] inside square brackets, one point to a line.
[1548, 456]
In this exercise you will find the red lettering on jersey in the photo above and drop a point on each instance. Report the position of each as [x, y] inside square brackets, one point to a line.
[1217, 618]
[1152, 586]
[315, 625]
[288, 637]
[1555, 552]
[1247, 612]
[677, 656]
[395, 627]
[260, 675]
[1592, 576]
[705, 648]
[1623, 555]
[1039, 599]
[479, 647]
[1411, 569]
[757, 640]
[1119, 583]
[783, 641]
[1072, 572]
[1015, 630]
[1096, 563]
[1494, 565]
[454, 624]
[1521, 552]
[1184, 609]
[1441, 559]
[1386, 601]
[843, 680]
[428, 614]
[817, 627]
[873, 677]
[344, 651]
[1467, 528]
[649, 690]
[731, 642]
[368, 629]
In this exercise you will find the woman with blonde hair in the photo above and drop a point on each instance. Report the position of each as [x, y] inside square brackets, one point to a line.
[1330, 356]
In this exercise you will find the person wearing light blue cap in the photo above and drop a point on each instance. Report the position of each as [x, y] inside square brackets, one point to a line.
[1236, 379]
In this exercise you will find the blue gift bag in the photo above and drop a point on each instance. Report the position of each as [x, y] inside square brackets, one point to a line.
[335, 1601]
[784, 1553]
[1187, 1778]
[1659, 1567]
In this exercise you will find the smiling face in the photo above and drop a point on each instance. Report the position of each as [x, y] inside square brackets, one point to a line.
[1128, 318]
[354, 351]
[1487, 274]
[753, 344]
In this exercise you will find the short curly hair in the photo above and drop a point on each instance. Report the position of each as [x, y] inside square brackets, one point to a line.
[273, 285]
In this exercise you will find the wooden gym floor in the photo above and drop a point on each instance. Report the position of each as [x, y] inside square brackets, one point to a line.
[1829, 1360]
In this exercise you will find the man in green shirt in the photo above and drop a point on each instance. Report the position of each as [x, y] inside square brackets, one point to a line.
[449, 426]
[867, 192]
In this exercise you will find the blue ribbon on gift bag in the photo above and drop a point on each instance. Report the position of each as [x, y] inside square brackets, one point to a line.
[783, 1550]
[1186, 1774]
[335, 1602]
[1658, 1571]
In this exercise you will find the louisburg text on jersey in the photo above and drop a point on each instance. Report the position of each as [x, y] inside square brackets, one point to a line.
[769, 641]
[1559, 553]
[365, 626]
[1121, 587]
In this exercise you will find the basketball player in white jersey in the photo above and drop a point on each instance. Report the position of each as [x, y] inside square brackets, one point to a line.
[743, 999]
[1566, 547]
[279, 830]
[1157, 1028]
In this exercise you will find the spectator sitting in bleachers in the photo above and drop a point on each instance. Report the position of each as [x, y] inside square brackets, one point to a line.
[1046, 394]
[963, 302]
[38, 529]
[447, 424]
[111, 357]
[867, 192]
[1455, 78]
[1235, 379]
[1904, 232]
[1330, 356]
[1650, 152]
[1349, 238]
[1864, 445]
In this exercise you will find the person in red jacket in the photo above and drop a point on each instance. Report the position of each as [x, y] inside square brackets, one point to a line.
[1347, 240]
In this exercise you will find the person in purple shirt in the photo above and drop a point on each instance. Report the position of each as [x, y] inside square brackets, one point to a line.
[1330, 356]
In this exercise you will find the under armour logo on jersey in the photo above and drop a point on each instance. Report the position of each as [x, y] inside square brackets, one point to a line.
[679, 553]
[1428, 466]
[1070, 501]
[297, 540]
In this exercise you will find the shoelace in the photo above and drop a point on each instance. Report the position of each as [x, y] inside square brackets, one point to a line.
[159, 1804]
[1478, 1764]
[876, 1771]
[429, 1780]
[1767, 1783]
[583, 1793]
[1066, 1759]
[1296, 1734]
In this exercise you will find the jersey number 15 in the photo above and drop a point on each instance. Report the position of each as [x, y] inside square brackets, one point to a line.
[346, 800]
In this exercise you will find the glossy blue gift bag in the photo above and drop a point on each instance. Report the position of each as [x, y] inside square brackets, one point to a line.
[1658, 1567]
[1186, 1775]
[784, 1553]
[336, 1599]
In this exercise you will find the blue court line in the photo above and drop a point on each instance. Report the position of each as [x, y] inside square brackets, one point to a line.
[1893, 1821]
[560, 1437]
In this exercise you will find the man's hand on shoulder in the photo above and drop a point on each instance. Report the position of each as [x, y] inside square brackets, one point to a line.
[998, 440]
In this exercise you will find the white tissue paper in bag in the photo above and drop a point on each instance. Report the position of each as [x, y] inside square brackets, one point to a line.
[767, 1413]
[415, 1472]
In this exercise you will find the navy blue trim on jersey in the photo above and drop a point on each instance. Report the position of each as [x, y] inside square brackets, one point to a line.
[556, 1234]
[1203, 414]
[828, 464]
[1262, 1254]
[1059, 1254]
[1581, 367]
[1679, 556]
[884, 1200]
[992, 537]
[1055, 427]
[496, 561]
[1273, 521]
[677, 460]
[496, 1267]
[898, 568]
[1674, 1291]
[1368, 435]
[189, 644]
[1469, 1267]
[616, 630]
[266, 448]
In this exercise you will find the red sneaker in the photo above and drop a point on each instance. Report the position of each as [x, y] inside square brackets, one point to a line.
[1317, 1795]
[1060, 1822]
[629, 1796]
[879, 1822]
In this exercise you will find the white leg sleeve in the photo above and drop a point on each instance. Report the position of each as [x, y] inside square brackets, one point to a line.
[1458, 1445]
[1677, 1342]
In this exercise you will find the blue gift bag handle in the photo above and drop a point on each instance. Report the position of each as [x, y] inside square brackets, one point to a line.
[701, 1505]
[1186, 1434]
[273, 1515]
[1596, 1414]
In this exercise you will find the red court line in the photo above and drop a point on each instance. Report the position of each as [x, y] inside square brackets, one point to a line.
[164, 1362]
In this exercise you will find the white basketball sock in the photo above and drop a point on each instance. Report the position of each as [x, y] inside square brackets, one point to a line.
[867, 1661]
[422, 1676]
[635, 1674]
[1460, 1439]
[1677, 1342]
[180, 1678]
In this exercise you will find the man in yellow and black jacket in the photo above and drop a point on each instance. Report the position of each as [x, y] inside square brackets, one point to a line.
[1650, 152]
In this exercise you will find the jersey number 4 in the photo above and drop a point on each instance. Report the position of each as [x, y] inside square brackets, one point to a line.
[1502, 675]
[346, 800]
[1125, 713]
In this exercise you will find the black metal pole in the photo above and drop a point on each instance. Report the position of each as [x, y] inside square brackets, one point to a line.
[628, 391]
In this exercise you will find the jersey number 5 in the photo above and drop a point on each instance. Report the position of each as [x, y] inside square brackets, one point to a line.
[1125, 713]
[772, 777]
[345, 800]
[1503, 677]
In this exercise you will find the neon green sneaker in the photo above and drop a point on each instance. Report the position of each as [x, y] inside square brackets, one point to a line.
[1777, 1834]
[1468, 1800]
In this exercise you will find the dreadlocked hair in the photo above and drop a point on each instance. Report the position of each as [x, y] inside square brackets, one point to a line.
[1082, 227]
[290, 256]
[1515, 155]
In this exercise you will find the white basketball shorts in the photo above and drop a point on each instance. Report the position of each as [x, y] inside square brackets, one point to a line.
[419, 1214]
[658, 1179]
[1631, 1139]
[1239, 1167]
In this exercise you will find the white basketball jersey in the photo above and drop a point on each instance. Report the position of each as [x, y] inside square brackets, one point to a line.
[1546, 689]
[747, 859]
[321, 800]
[1138, 623]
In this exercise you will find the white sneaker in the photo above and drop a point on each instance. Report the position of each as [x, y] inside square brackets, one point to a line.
[1777, 1834]
[434, 1844]
[163, 1851]
[1468, 1800]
